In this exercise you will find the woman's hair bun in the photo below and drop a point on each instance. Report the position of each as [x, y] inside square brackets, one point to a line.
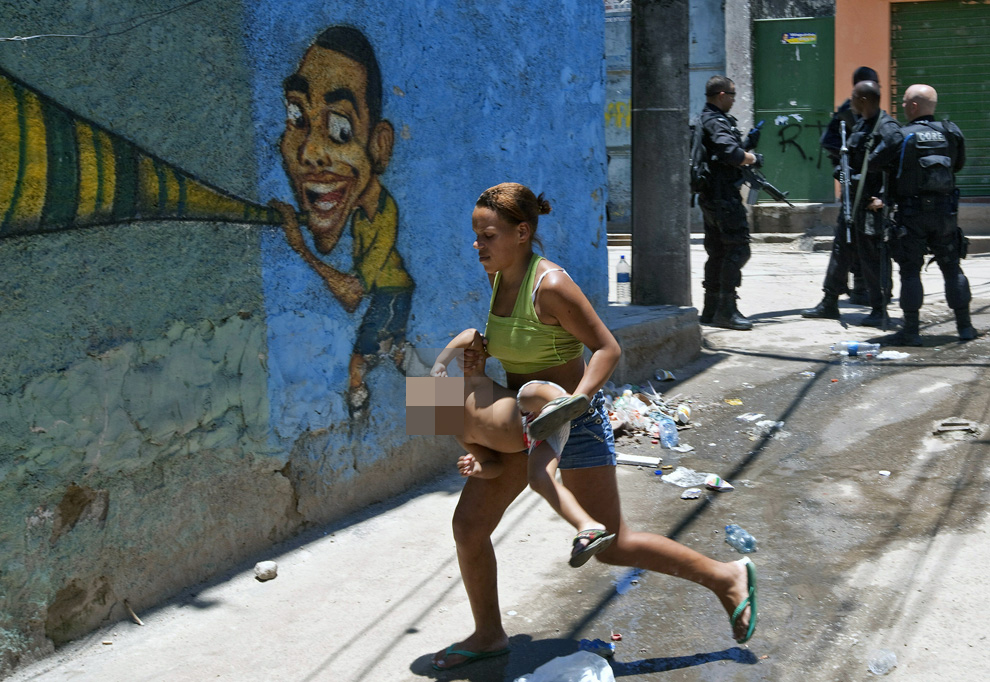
[542, 204]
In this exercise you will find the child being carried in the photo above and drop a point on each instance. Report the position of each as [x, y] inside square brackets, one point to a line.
[536, 420]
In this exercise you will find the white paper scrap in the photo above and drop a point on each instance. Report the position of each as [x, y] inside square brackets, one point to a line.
[638, 460]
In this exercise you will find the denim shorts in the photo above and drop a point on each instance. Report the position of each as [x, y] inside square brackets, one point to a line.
[591, 443]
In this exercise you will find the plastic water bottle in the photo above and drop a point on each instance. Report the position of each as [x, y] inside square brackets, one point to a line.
[741, 541]
[623, 290]
[598, 646]
[856, 348]
[667, 432]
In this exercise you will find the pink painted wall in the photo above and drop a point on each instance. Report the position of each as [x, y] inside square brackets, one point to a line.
[862, 38]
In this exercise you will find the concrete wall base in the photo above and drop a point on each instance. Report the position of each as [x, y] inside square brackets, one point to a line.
[779, 217]
[819, 219]
[652, 337]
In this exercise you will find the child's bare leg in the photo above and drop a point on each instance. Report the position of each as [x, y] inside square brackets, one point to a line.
[550, 416]
[543, 479]
[534, 396]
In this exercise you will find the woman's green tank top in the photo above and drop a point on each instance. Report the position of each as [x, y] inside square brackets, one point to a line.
[521, 342]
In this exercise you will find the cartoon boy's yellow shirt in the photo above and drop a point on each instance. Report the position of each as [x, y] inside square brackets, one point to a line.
[376, 260]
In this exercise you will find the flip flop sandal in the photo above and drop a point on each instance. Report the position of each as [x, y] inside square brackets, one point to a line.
[469, 656]
[556, 413]
[598, 540]
[750, 601]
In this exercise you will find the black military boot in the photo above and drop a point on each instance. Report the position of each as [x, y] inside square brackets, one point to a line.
[908, 335]
[711, 303]
[859, 295]
[967, 332]
[876, 318]
[727, 316]
[828, 309]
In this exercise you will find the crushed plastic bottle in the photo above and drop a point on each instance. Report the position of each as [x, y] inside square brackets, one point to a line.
[881, 661]
[740, 539]
[856, 348]
[598, 646]
[667, 432]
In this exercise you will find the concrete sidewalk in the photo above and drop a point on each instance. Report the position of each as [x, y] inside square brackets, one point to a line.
[371, 598]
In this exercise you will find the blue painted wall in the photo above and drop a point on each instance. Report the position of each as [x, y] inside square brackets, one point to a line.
[174, 388]
[470, 108]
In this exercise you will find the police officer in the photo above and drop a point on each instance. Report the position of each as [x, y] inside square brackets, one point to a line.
[866, 189]
[924, 157]
[726, 227]
[843, 259]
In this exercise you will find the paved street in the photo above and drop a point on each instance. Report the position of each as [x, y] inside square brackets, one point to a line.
[849, 561]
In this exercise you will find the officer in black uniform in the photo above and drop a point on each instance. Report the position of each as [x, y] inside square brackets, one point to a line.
[843, 259]
[726, 227]
[924, 157]
[866, 190]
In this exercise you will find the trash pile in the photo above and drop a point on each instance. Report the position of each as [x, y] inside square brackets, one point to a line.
[633, 409]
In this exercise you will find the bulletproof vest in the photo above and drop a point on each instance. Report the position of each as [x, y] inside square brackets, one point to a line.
[927, 160]
[718, 173]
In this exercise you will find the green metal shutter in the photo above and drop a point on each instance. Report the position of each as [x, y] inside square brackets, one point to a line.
[947, 45]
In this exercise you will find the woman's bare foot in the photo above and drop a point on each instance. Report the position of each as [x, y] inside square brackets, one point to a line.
[475, 644]
[738, 580]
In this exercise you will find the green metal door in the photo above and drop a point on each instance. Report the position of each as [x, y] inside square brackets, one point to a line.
[793, 66]
[947, 45]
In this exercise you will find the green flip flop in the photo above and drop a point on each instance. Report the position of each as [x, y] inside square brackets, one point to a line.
[750, 601]
[556, 413]
[469, 656]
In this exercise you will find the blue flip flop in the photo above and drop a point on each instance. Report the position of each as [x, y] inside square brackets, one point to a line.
[469, 656]
[750, 601]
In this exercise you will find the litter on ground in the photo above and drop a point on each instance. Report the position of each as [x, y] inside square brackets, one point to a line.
[638, 460]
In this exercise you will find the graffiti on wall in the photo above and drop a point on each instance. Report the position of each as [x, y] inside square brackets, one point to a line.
[335, 148]
[59, 171]
[618, 114]
[790, 128]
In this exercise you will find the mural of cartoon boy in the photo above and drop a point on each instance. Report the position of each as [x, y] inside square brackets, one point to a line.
[335, 147]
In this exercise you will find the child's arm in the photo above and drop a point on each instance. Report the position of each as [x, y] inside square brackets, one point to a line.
[471, 343]
[480, 462]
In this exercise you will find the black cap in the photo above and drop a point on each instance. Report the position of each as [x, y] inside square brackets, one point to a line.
[865, 73]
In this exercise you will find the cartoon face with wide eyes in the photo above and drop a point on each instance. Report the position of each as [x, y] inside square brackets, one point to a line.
[332, 150]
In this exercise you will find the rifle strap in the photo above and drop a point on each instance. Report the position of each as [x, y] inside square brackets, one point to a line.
[866, 162]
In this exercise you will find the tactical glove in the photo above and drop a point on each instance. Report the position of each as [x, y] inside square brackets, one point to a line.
[753, 138]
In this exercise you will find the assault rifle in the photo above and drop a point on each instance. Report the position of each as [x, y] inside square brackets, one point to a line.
[885, 232]
[757, 181]
[845, 178]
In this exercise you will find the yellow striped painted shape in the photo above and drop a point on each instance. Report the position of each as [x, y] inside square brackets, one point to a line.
[60, 172]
